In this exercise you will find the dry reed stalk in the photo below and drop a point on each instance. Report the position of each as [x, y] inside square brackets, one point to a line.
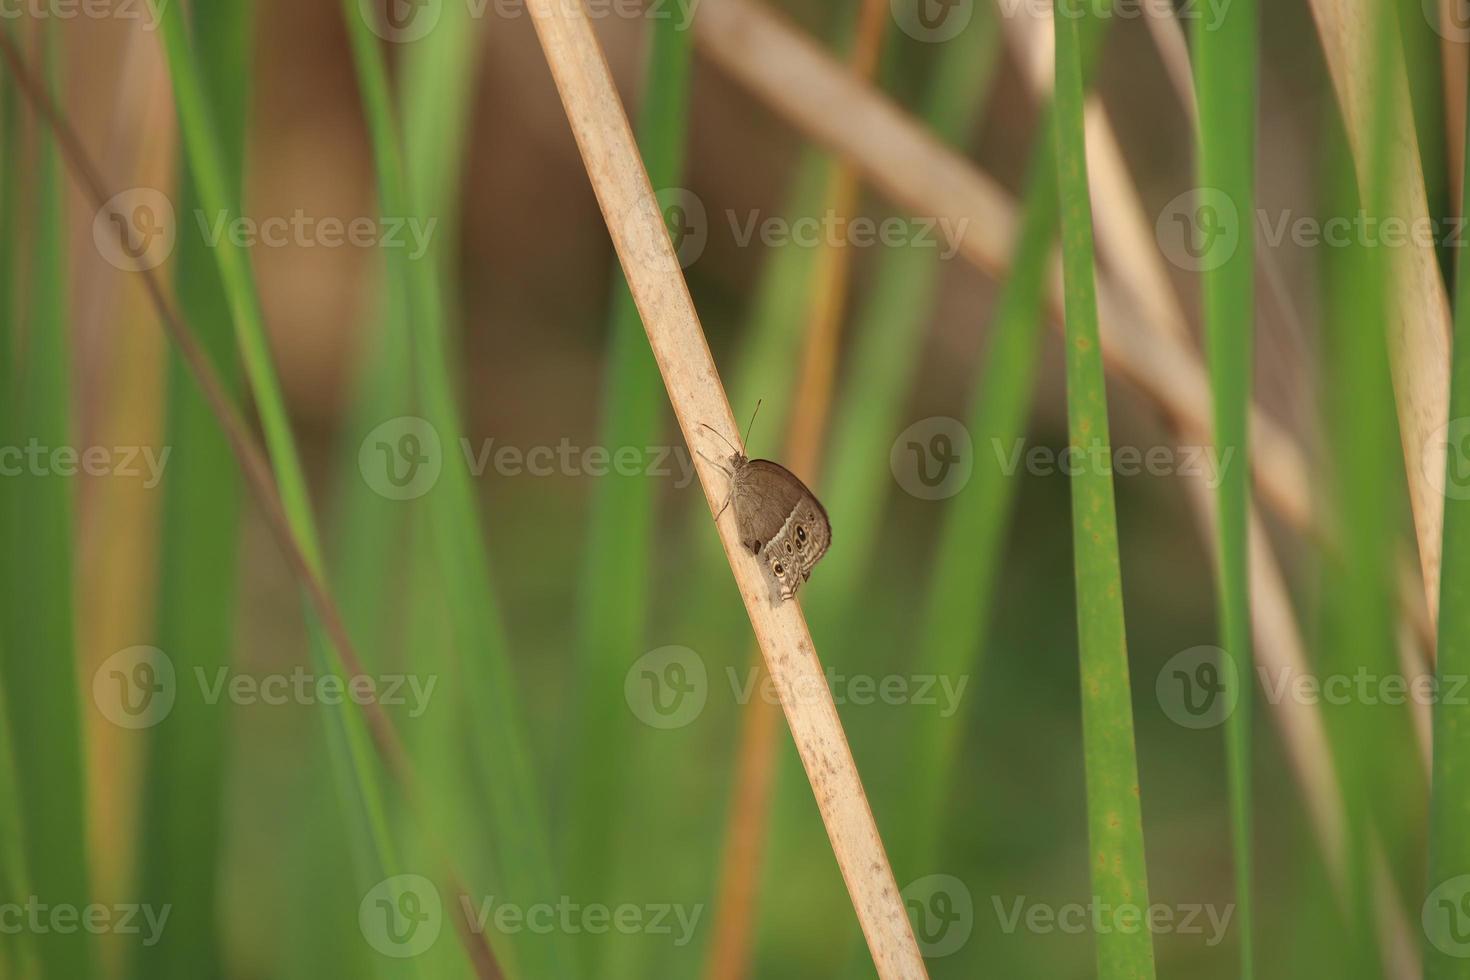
[1419, 323]
[748, 825]
[636, 225]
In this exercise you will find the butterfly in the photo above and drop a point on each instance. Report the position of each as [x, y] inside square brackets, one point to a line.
[777, 518]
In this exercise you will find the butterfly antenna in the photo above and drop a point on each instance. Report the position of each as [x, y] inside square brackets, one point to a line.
[717, 433]
[750, 425]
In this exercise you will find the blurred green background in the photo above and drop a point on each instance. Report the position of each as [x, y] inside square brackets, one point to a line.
[544, 773]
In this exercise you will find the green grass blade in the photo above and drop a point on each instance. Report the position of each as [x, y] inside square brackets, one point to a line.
[972, 540]
[187, 752]
[1114, 812]
[1225, 72]
[11, 155]
[957, 605]
[206, 159]
[1371, 740]
[888, 340]
[355, 766]
[39, 656]
[1449, 810]
[517, 825]
[17, 954]
[613, 607]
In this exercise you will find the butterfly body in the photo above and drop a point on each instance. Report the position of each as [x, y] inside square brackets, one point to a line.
[778, 519]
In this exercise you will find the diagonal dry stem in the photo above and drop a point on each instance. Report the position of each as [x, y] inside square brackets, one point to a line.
[746, 831]
[636, 224]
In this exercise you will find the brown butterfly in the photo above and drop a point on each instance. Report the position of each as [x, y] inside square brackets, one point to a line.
[776, 516]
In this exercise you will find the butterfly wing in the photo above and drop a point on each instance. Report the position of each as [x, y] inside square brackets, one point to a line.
[765, 495]
[779, 519]
[811, 532]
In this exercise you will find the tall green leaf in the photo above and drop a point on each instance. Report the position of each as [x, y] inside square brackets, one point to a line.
[1114, 812]
[517, 834]
[187, 755]
[1449, 811]
[38, 653]
[1225, 72]
[355, 766]
[613, 606]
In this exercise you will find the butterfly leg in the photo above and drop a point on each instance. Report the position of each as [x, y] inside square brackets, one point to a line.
[725, 470]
